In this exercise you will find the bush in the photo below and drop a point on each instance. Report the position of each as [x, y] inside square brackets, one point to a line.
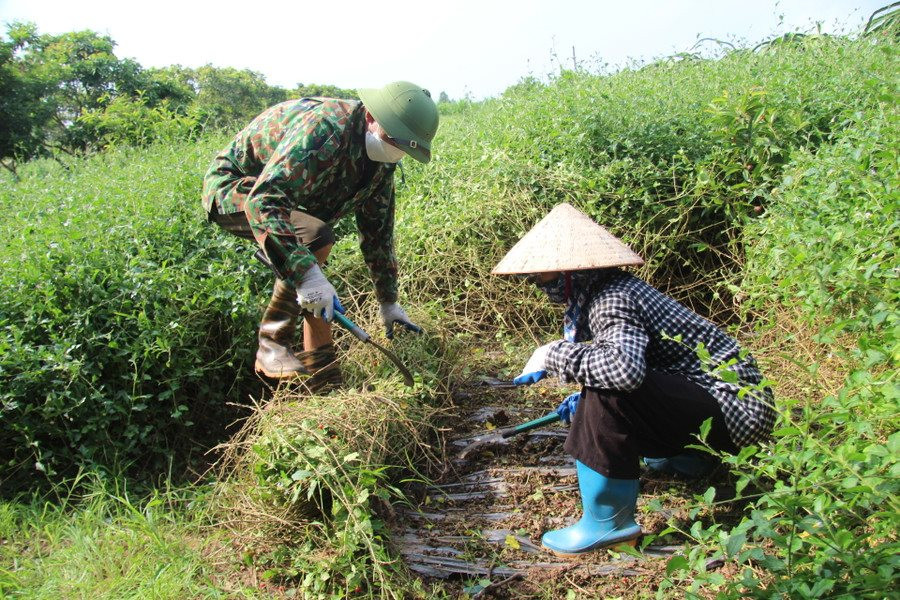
[674, 158]
[125, 121]
[826, 519]
[125, 320]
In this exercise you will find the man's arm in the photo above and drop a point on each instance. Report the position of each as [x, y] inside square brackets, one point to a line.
[297, 169]
[375, 221]
[615, 359]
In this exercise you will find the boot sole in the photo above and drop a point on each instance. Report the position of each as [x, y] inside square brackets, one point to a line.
[611, 546]
[280, 375]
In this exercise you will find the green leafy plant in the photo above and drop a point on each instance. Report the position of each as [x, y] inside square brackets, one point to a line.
[823, 494]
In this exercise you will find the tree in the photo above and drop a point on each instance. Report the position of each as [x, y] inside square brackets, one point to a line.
[70, 93]
[227, 97]
[23, 110]
[85, 73]
[174, 85]
[66, 76]
[326, 91]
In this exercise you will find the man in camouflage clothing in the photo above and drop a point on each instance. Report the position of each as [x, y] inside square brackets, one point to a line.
[292, 173]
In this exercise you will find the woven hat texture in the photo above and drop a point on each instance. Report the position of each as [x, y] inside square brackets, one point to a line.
[566, 240]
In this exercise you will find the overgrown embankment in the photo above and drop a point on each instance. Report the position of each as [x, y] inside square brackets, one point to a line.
[760, 185]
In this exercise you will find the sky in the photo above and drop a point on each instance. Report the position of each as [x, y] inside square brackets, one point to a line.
[466, 48]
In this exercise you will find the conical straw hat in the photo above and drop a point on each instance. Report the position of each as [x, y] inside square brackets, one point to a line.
[566, 240]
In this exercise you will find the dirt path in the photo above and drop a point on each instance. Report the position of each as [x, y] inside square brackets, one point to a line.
[480, 526]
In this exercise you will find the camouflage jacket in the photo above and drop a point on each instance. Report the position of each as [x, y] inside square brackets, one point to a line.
[308, 155]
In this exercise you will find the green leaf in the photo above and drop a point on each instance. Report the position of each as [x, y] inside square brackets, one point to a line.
[734, 543]
[785, 431]
[677, 563]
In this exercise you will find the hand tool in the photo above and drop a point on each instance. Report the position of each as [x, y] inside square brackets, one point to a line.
[496, 383]
[350, 326]
[507, 432]
[364, 337]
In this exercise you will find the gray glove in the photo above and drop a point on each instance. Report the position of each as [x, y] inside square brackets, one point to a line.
[316, 294]
[392, 313]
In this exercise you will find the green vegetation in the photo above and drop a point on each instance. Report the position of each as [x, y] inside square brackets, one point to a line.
[310, 479]
[760, 187]
[62, 95]
[99, 367]
[112, 545]
[828, 251]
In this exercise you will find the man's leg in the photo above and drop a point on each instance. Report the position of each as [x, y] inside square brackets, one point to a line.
[274, 356]
[319, 356]
[316, 331]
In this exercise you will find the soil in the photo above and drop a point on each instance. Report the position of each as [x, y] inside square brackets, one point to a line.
[478, 528]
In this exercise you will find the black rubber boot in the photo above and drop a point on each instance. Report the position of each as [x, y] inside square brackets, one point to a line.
[322, 363]
[274, 358]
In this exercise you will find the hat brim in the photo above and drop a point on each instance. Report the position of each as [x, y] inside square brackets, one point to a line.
[376, 102]
[566, 240]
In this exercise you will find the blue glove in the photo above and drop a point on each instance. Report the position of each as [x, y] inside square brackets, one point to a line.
[529, 378]
[535, 369]
[338, 307]
[567, 408]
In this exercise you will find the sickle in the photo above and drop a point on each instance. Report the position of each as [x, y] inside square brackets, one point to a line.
[362, 336]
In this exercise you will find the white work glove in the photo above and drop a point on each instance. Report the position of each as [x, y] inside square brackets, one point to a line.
[392, 313]
[536, 368]
[316, 295]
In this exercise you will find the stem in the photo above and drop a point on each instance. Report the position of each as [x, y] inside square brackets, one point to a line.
[11, 167]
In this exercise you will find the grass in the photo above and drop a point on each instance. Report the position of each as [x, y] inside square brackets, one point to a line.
[108, 543]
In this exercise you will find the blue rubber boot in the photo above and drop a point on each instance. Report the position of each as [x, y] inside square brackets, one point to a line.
[608, 519]
[692, 465]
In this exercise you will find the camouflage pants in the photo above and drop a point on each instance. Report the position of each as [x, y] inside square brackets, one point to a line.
[312, 232]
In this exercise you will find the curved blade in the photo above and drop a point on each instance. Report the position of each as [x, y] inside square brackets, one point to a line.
[407, 376]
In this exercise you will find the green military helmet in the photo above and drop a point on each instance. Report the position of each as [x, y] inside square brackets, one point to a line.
[407, 113]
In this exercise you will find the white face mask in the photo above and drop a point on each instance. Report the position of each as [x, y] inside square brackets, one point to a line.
[380, 151]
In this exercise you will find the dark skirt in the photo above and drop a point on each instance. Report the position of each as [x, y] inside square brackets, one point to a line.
[612, 429]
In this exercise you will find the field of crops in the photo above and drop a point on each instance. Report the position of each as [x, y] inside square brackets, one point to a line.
[141, 455]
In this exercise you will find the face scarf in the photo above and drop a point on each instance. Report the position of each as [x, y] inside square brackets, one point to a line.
[380, 151]
[555, 289]
[559, 291]
[576, 290]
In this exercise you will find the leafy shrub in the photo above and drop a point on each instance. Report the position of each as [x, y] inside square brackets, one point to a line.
[125, 319]
[125, 121]
[825, 522]
[674, 158]
[831, 242]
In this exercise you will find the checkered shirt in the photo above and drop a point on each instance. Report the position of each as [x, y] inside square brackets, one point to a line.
[631, 327]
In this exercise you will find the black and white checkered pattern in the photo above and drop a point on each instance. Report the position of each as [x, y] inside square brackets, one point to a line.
[631, 327]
